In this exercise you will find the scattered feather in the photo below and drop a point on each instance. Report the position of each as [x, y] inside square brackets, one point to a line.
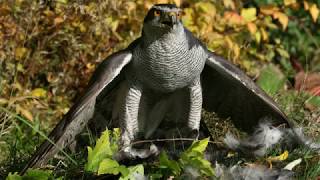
[293, 164]
[251, 172]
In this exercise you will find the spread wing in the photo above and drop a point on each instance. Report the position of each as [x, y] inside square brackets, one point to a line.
[230, 93]
[82, 111]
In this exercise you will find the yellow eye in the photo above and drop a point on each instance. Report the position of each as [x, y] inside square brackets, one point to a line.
[157, 13]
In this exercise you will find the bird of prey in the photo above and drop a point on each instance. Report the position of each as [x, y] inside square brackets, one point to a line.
[164, 77]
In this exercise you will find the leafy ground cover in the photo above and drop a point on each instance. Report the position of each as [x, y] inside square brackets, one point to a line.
[49, 49]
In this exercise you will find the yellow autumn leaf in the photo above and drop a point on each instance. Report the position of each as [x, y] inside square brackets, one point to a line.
[177, 2]
[249, 14]
[3, 101]
[90, 66]
[306, 5]
[20, 52]
[289, 2]
[228, 41]
[39, 92]
[252, 27]
[188, 16]
[206, 7]
[162, 1]
[281, 157]
[269, 9]
[24, 112]
[257, 36]
[82, 27]
[48, 13]
[236, 51]
[283, 19]
[229, 4]
[264, 34]
[314, 11]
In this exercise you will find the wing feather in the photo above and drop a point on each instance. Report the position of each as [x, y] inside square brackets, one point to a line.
[229, 92]
[82, 111]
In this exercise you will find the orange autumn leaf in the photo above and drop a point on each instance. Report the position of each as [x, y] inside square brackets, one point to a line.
[252, 27]
[24, 112]
[58, 20]
[283, 19]
[306, 5]
[233, 18]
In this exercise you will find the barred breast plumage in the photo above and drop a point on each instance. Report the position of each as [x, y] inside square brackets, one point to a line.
[169, 63]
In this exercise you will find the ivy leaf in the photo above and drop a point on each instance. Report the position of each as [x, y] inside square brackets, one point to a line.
[101, 151]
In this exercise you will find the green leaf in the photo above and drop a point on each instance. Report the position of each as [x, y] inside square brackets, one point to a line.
[133, 171]
[101, 151]
[199, 146]
[314, 100]
[283, 53]
[31, 174]
[14, 176]
[194, 157]
[166, 163]
[271, 79]
[109, 166]
[204, 166]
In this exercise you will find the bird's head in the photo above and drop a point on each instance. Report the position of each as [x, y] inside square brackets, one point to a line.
[163, 18]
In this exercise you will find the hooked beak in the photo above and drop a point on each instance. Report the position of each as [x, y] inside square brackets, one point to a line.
[169, 19]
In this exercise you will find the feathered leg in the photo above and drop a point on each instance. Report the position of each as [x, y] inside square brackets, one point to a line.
[130, 126]
[195, 107]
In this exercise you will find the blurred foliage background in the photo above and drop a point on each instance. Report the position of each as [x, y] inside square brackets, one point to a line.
[49, 49]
